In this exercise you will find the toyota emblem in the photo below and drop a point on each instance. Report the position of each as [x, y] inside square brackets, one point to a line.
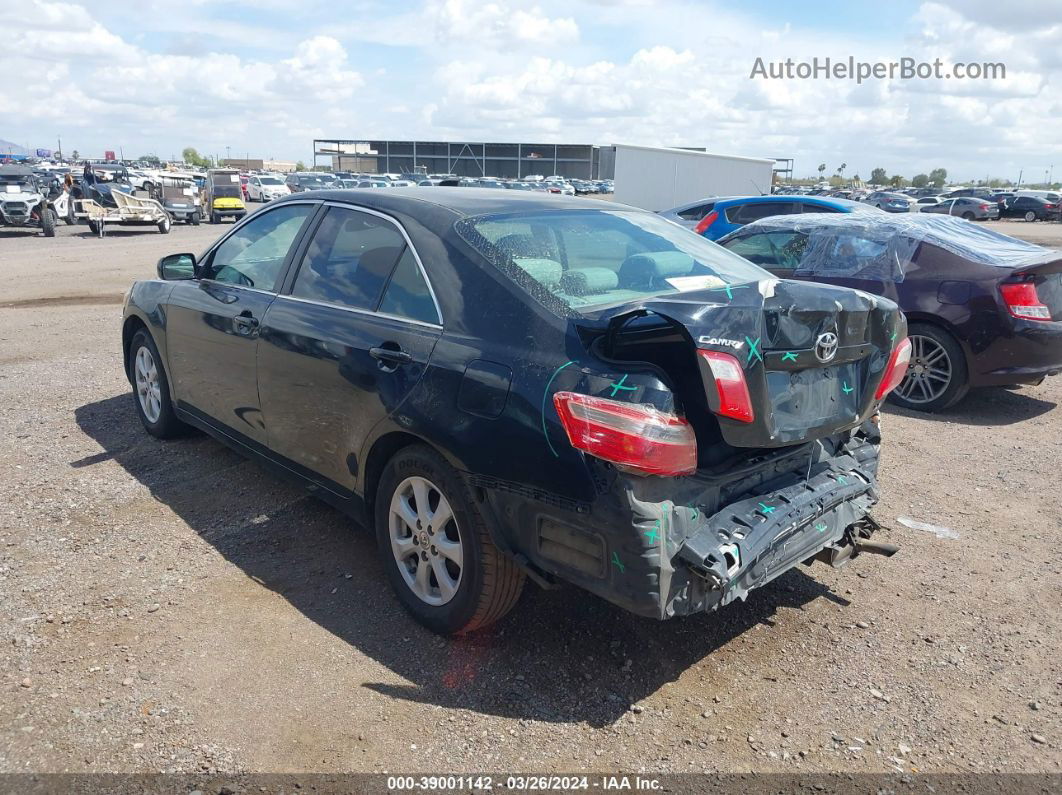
[826, 347]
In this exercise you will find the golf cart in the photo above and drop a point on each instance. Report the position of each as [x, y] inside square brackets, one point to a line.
[223, 195]
[178, 196]
[106, 201]
[23, 202]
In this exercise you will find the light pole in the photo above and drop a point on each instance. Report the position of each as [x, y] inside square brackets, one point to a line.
[227, 155]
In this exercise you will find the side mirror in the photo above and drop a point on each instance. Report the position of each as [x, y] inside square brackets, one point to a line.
[176, 267]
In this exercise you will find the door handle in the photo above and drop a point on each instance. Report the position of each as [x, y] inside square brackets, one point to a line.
[245, 322]
[391, 355]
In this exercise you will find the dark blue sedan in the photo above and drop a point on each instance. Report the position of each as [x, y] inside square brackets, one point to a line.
[508, 386]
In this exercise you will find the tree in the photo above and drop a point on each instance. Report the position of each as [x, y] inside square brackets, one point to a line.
[841, 168]
[878, 177]
[897, 181]
[920, 180]
[75, 156]
[153, 159]
[300, 166]
[822, 168]
[193, 158]
[855, 178]
[938, 176]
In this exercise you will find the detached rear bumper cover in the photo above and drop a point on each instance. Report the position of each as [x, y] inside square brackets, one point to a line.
[751, 542]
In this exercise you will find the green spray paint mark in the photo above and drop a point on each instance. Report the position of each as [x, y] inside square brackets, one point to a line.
[766, 508]
[617, 564]
[790, 357]
[847, 389]
[618, 385]
[545, 396]
[729, 290]
[754, 350]
[693, 513]
[893, 337]
[842, 480]
[820, 527]
[653, 534]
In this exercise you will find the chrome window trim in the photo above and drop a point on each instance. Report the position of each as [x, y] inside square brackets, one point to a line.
[416, 257]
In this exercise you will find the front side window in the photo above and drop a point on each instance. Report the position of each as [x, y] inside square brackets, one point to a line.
[349, 259]
[254, 254]
[571, 260]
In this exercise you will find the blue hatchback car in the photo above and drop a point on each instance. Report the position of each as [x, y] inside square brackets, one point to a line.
[721, 215]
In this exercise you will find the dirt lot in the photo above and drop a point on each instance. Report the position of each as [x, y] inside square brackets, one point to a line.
[170, 606]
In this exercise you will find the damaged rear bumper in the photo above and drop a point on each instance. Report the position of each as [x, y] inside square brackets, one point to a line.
[749, 543]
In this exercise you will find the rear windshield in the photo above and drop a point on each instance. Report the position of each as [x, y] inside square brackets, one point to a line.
[572, 260]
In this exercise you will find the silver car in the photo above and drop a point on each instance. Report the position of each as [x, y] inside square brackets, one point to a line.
[689, 215]
[967, 207]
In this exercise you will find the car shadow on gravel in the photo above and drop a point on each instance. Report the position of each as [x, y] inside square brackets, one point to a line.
[987, 406]
[561, 656]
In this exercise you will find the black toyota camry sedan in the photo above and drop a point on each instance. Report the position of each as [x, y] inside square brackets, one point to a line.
[510, 386]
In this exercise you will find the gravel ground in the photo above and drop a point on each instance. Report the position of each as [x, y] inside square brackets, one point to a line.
[173, 607]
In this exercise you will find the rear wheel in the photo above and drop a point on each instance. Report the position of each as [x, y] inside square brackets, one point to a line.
[164, 225]
[937, 377]
[195, 218]
[437, 549]
[151, 388]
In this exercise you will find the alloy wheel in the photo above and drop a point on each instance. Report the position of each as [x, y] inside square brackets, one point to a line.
[929, 374]
[425, 540]
[148, 389]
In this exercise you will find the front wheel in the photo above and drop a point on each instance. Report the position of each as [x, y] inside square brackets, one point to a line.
[937, 376]
[195, 218]
[969, 216]
[1030, 216]
[436, 547]
[164, 225]
[151, 389]
[48, 221]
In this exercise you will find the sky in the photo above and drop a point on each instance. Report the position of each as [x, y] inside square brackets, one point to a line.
[265, 77]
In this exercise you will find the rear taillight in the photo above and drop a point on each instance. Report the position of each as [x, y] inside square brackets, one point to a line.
[1050, 206]
[704, 223]
[896, 369]
[1022, 301]
[733, 391]
[631, 435]
[984, 208]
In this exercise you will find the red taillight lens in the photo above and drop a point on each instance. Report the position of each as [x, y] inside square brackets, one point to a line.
[734, 400]
[704, 223]
[632, 435]
[984, 207]
[896, 369]
[1022, 301]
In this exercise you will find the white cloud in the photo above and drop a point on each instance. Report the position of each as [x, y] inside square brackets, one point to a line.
[499, 25]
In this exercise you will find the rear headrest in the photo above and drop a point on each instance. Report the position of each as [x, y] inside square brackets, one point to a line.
[544, 271]
[645, 269]
[586, 281]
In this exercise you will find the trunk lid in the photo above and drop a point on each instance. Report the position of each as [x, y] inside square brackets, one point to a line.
[812, 355]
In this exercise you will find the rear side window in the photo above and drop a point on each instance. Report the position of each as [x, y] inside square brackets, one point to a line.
[883, 257]
[773, 250]
[747, 213]
[818, 208]
[349, 259]
[696, 213]
[253, 255]
[407, 294]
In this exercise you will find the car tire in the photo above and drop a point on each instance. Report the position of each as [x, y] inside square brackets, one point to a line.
[1030, 216]
[70, 218]
[933, 349]
[482, 583]
[195, 218]
[164, 225]
[215, 218]
[48, 221]
[151, 389]
[969, 216]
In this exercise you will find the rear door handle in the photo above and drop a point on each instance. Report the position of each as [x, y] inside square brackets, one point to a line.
[392, 355]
